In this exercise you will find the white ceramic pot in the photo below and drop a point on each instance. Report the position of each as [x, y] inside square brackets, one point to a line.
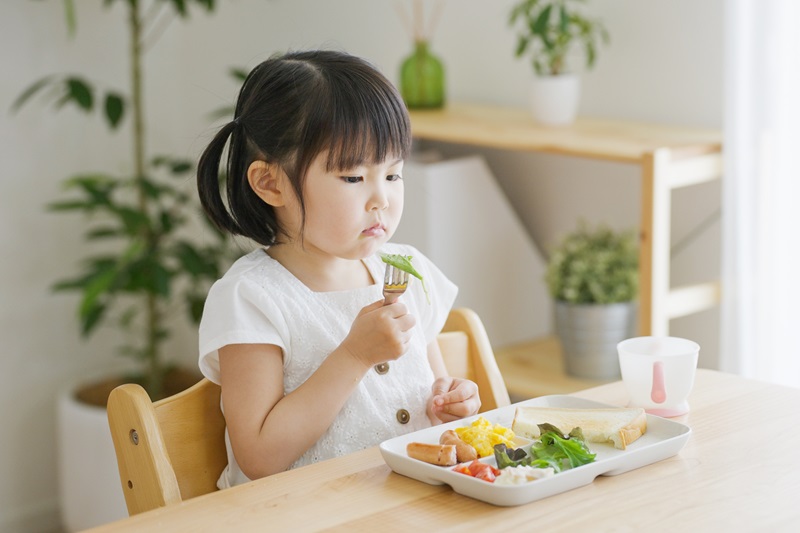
[90, 493]
[555, 99]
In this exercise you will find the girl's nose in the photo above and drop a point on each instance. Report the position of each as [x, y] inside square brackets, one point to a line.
[378, 201]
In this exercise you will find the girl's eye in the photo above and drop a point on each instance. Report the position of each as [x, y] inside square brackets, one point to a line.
[394, 177]
[351, 179]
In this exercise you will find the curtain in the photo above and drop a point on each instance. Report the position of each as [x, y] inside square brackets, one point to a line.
[760, 315]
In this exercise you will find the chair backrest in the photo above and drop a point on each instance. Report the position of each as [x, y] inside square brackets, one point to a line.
[468, 353]
[174, 449]
[170, 450]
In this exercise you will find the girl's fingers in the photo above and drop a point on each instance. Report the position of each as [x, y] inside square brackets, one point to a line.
[462, 391]
[455, 411]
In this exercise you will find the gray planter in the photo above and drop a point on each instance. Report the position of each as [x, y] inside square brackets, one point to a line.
[589, 335]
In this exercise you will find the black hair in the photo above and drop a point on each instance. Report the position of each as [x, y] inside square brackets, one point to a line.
[290, 108]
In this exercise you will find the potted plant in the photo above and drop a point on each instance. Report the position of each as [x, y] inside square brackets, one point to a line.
[549, 31]
[593, 276]
[150, 267]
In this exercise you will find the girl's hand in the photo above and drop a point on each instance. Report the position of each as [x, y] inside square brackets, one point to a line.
[379, 333]
[454, 398]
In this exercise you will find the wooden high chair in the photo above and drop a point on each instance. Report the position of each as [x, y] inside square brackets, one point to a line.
[174, 449]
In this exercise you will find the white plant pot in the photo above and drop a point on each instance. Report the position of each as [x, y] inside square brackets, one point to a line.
[555, 99]
[90, 493]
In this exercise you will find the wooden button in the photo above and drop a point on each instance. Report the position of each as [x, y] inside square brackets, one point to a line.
[402, 416]
[382, 368]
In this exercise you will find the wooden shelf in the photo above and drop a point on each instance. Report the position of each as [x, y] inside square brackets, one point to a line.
[668, 157]
[513, 129]
[536, 368]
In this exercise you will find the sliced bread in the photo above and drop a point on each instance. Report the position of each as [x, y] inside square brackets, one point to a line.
[620, 426]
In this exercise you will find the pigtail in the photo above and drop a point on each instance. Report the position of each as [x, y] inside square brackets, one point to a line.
[208, 185]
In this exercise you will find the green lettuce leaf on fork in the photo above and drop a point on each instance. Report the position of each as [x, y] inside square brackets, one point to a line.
[403, 262]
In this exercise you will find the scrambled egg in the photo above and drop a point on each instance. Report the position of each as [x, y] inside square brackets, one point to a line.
[483, 435]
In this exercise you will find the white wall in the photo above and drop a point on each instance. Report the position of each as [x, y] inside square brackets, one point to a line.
[664, 64]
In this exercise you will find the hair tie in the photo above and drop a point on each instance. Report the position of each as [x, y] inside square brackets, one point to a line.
[237, 122]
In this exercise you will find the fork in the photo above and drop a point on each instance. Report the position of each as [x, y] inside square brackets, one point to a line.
[395, 283]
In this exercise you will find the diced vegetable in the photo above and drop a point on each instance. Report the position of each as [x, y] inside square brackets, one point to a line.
[478, 470]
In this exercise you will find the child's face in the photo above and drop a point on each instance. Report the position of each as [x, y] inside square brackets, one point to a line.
[353, 212]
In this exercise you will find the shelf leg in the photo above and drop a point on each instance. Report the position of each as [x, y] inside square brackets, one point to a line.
[654, 256]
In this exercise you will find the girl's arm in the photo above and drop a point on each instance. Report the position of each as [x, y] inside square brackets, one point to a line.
[270, 431]
[452, 398]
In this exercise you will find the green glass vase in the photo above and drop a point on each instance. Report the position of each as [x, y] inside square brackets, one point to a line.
[422, 79]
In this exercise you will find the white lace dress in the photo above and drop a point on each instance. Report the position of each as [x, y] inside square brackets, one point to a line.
[258, 301]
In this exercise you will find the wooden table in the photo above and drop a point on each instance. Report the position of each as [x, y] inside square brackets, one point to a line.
[668, 157]
[740, 471]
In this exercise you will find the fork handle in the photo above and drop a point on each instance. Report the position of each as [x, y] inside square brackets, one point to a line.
[390, 298]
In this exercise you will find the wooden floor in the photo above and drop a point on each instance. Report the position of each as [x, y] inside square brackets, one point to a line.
[535, 368]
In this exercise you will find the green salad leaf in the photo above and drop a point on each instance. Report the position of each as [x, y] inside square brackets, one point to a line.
[403, 262]
[567, 452]
[551, 450]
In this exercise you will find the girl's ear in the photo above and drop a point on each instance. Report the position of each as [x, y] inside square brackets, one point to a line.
[267, 182]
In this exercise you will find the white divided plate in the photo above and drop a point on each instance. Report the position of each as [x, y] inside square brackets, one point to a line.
[663, 438]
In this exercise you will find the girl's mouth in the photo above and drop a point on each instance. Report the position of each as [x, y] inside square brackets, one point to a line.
[374, 231]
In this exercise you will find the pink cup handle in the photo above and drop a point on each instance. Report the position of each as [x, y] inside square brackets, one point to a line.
[659, 392]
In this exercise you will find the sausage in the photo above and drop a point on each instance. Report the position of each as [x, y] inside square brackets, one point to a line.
[464, 452]
[435, 454]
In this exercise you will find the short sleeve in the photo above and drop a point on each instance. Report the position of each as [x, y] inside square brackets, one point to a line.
[237, 311]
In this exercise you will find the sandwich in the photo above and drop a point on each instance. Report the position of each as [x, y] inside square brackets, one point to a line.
[618, 426]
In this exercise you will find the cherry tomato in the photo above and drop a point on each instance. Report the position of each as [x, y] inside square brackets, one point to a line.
[463, 469]
[486, 475]
[478, 470]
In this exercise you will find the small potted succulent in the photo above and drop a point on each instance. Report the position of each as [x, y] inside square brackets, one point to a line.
[549, 31]
[593, 276]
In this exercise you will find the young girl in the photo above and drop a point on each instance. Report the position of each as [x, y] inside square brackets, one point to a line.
[311, 362]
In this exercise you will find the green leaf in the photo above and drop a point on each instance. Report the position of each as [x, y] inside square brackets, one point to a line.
[70, 284]
[539, 26]
[225, 112]
[522, 45]
[195, 306]
[96, 287]
[97, 187]
[161, 279]
[175, 165]
[103, 233]
[149, 188]
[71, 205]
[80, 92]
[208, 4]
[239, 73]
[69, 13]
[180, 7]
[196, 262]
[403, 262]
[167, 222]
[181, 167]
[127, 317]
[30, 92]
[91, 318]
[115, 107]
[133, 220]
[590, 54]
